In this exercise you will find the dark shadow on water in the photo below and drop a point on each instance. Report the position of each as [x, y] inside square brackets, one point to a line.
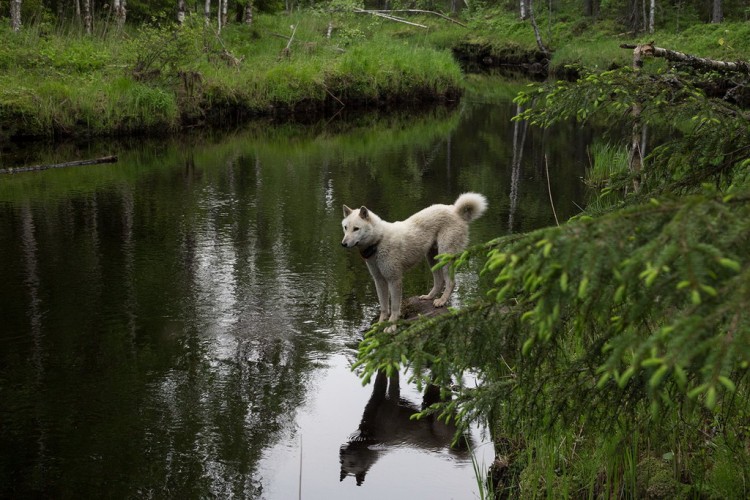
[387, 424]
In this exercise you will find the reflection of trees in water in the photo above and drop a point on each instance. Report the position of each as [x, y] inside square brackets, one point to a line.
[176, 348]
[176, 297]
[246, 358]
[34, 313]
[519, 139]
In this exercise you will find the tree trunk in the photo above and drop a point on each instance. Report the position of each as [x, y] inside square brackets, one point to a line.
[588, 8]
[717, 14]
[539, 42]
[651, 14]
[207, 12]
[181, 11]
[119, 7]
[87, 24]
[249, 13]
[635, 152]
[15, 15]
[591, 8]
[218, 16]
[524, 14]
[224, 12]
[649, 50]
[635, 16]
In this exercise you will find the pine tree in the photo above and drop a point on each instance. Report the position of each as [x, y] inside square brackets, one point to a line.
[624, 316]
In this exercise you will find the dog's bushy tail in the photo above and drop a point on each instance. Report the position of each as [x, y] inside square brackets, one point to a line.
[470, 206]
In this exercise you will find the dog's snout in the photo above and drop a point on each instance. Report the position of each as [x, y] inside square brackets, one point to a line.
[343, 244]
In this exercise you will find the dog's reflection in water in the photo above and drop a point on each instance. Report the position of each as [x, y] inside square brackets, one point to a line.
[387, 423]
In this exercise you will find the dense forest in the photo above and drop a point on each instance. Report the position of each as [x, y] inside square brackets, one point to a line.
[635, 15]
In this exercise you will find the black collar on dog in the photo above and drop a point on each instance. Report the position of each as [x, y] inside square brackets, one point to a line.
[369, 251]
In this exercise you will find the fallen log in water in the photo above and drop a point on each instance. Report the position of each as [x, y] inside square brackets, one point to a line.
[650, 50]
[77, 163]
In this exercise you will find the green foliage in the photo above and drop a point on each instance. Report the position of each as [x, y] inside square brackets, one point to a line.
[710, 138]
[631, 321]
[246, 70]
[164, 49]
[83, 55]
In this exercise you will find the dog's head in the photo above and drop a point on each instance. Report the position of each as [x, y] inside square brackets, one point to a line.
[358, 227]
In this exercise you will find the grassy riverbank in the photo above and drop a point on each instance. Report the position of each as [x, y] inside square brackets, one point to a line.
[155, 78]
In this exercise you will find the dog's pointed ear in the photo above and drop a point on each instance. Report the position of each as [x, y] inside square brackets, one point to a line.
[347, 211]
[364, 213]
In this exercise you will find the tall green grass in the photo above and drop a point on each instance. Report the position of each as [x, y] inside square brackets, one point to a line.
[59, 82]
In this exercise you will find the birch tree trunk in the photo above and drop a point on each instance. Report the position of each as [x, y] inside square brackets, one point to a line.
[87, 16]
[640, 52]
[207, 12]
[224, 12]
[181, 11]
[218, 16]
[119, 7]
[15, 15]
[522, 6]
[249, 12]
[717, 13]
[539, 42]
[651, 14]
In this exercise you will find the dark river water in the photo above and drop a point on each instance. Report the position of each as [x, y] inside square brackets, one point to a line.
[182, 323]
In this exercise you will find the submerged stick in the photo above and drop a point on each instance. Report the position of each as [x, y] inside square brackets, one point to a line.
[77, 163]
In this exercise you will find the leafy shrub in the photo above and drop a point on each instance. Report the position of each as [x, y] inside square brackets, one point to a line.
[81, 55]
[165, 49]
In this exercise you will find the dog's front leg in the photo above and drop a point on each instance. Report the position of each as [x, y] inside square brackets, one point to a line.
[381, 287]
[394, 291]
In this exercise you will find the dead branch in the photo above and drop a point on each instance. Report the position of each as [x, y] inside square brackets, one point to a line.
[642, 51]
[420, 11]
[77, 163]
[227, 56]
[291, 38]
[287, 51]
[390, 18]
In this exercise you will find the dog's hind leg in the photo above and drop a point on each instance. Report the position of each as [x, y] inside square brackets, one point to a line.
[438, 281]
[450, 283]
[451, 241]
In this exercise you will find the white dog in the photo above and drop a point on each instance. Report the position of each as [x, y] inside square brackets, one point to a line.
[391, 248]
